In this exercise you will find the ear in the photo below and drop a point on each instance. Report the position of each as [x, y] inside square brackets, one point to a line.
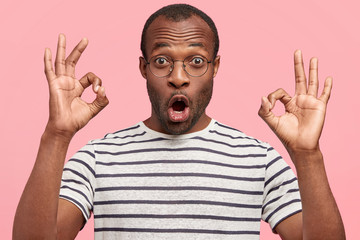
[216, 65]
[142, 67]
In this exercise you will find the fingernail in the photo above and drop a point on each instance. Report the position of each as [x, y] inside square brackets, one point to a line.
[97, 88]
[85, 40]
[103, 94]
[263, 103]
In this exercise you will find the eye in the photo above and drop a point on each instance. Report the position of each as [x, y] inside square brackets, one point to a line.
[196, 61]
[161, 61]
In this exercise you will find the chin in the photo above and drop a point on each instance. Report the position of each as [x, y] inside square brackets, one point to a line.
[178, 128]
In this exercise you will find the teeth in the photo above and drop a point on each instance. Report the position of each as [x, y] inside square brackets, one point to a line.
[178, 111]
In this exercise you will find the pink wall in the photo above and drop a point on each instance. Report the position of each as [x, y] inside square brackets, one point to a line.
[257, 42]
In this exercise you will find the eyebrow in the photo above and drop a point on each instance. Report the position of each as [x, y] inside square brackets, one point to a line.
[196, 45]
[162, 44]
[159, 45]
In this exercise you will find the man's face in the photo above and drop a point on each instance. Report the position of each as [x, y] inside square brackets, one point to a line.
[179, 100]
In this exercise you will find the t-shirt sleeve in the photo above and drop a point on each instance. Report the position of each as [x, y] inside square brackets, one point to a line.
[78, 180]
[281, 193]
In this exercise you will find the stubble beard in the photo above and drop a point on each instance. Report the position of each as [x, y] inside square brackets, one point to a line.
[197, 109]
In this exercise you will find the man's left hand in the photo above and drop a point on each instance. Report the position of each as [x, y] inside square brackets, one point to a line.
[299, 128]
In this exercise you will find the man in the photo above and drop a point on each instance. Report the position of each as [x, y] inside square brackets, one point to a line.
[179, 174]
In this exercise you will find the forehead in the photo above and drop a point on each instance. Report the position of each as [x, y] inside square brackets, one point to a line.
[188, 33]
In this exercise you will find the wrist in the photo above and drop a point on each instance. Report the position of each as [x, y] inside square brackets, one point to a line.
[54, 136]
[53, 131]
[306, 158]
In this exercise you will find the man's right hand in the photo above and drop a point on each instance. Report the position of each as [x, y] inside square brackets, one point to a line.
[68, 112]
[40, 214]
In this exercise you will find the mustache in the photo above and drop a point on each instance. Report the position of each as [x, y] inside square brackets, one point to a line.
[178, 92]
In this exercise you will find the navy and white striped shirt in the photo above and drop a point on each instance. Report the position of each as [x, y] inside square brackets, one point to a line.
[217, 183]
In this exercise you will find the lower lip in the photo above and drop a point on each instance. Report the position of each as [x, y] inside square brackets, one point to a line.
[178, 116]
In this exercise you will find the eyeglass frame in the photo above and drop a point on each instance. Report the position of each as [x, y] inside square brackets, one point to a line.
[176, 60]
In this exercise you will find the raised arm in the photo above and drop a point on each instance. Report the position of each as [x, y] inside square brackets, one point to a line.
[37, 215]
[299, 129]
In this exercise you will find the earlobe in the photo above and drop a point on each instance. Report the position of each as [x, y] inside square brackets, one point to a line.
[142, 67]
[216, 65]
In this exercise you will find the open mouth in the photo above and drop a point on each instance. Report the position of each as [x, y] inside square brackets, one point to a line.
[178, 106]
[178, 110]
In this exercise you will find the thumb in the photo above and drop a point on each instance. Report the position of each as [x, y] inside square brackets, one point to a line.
[266, 114]
[100, 102]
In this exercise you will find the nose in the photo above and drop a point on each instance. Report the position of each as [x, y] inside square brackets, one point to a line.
[178, 77]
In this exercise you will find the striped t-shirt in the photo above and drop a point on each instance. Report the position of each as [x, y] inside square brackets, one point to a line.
[217, 183]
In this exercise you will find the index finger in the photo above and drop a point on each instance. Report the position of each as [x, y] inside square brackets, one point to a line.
[327, 90]
[74, 57]
[90, 79]
[300, 77]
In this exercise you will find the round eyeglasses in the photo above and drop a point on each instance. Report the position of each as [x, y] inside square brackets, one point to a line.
[162, 65]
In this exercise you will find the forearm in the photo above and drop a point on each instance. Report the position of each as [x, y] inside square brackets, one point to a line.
[37, 210]
[321, 217]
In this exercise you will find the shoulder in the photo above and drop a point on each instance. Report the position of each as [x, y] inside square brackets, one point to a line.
[132, 132]
[227, 133]
[238, 143]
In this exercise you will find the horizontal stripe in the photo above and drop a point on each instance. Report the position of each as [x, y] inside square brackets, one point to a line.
[227, 127]
[83, 163]
[230, 136]
[73, 181]
[77, 174]
[293, 190]
[236, 130]
[178, 202]
[180, 230]
[277, 198]
[79, 192]
[229, 145]
[186, 188]
[270, 149]
[127, 129]
[182, 162]
[177, 216]
[281, 207]
[282, 219]
[277, 174]
[130, 142]
[129, 136]
[77, 203]
[270, 202]
[77, 182]
[180, 175]
[282, 184]
[273, 161]
[87, 152]
[181, 150]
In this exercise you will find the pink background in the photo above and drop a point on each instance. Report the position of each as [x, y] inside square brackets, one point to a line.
[257, 40]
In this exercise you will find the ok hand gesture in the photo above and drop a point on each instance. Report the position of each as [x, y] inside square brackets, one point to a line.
[299, 128]
[68, 112]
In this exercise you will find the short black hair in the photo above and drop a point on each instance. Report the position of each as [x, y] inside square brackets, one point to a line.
[177, 13]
